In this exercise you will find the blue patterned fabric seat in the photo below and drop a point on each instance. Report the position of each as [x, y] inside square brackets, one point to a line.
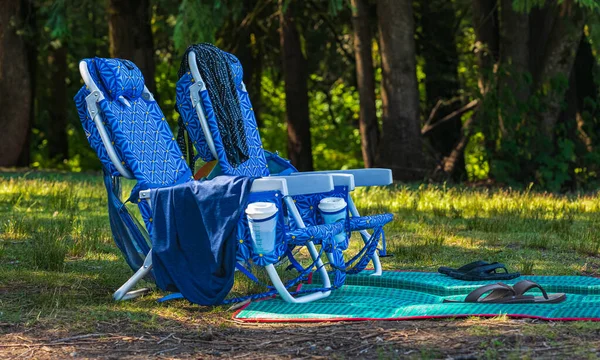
[147, 151]
[136, 126]
[257, 164]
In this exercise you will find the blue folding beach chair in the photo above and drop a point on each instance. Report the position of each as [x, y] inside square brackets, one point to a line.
[130, 135]
[214, 143]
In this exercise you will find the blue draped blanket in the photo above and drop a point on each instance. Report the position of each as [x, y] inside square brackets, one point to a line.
[194, 236]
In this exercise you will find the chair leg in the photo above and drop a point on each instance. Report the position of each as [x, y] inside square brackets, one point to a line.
[123, 292]
[375, 257]
[366, 237]
[314, 254]
[284, 293]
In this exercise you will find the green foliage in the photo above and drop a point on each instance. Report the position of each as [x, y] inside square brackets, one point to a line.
[526, 5]
[199, 21]
[334, 119]
[590, 4]
[517, 152]
[553, 171]
[476, 163]
[57, 20]
[334, 122]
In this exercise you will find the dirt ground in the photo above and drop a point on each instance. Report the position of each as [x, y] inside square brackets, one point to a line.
[456, 339]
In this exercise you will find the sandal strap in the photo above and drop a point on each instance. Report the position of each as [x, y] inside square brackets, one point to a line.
[498, 290]
[524, 286]
[473, 265]
[486, 269]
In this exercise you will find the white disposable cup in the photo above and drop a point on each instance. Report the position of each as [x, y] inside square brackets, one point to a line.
[262, 221]
[333, 209]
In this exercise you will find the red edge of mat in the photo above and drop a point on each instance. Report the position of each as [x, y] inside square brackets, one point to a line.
[406, 318]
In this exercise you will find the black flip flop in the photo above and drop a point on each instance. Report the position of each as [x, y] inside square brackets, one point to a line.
[504, 294]
[463, 269]
[484, 272]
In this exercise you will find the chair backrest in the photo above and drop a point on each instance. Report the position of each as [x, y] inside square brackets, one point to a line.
[137, 131]
[214, 148]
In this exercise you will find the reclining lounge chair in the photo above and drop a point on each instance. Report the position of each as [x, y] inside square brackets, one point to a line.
[196, 107]
[132, 139]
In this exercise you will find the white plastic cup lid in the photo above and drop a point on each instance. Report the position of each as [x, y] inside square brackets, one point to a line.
[332, 204]
[261, 210]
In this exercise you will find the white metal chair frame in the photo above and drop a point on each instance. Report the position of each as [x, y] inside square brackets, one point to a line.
[286, 185]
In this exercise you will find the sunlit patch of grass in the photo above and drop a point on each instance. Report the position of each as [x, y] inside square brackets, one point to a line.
[518, 227]
[526, 267]
[422, 247]
[48, 248]
[540, 241]
[14, 229]
[587, 242]
[89, 236]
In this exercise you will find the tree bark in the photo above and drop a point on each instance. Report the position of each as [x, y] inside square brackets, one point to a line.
[585, 64]
[438, 48]
[558, 60]
[15, 82]
[485, 24]
[295, 76]
[365, 78]
[252, 63]
[130, 35]
[58, 144]
[248, 51]
[401, 147]
[514, 58]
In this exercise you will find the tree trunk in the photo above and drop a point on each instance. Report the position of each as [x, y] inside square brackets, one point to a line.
[401, 147]
[58, 144]
[296, 90]
[485, 24]
[130, 35]
[248, 52]
[365, 78]
[252, 63]
[541, 22]
[15, 82]
[438, 48]
[486, 27]
[514, 58]
[32, 52]
[558, 60]
[585, 64]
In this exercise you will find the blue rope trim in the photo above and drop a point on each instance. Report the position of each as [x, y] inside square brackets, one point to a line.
[360, 261]
[273, 291]
[294, 264]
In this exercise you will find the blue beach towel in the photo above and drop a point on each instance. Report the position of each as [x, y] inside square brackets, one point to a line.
[194, 236]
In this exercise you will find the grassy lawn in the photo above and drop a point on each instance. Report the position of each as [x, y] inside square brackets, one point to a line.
[59, 267]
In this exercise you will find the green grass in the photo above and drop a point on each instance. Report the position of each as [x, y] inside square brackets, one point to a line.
[59, 265]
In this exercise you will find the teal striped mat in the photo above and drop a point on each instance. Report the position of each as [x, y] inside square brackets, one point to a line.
[439, 284]
[411, 295]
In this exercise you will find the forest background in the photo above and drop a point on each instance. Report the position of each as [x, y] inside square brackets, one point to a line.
[502, 91]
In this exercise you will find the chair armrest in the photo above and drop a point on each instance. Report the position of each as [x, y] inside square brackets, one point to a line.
[258, 185]
[270, 184]
[343, 180]
[362, 177]
[307, 184]
[287, 185]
